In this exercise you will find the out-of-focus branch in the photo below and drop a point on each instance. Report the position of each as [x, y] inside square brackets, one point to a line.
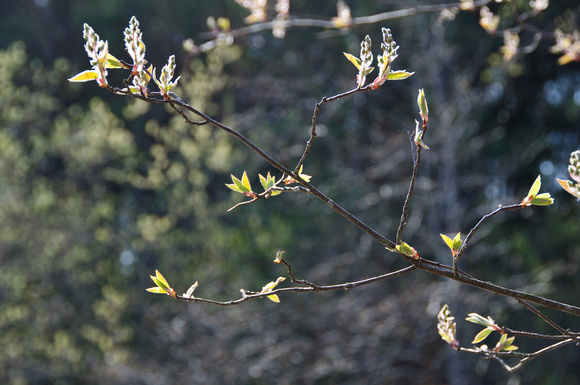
[324, 23]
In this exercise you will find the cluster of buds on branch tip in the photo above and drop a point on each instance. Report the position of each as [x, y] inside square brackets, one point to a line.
[573, 186]
[365, 61]
[101, 60]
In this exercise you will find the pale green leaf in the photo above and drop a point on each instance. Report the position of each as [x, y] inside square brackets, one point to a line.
[542, 200]
[447, 240]
[274, 298]
[85, 76]
[161, 278]
[535, 187]
[246, 182]
[399, 75]
[156, 290]
[457, 242]
[234, 187]
[482, 335]
[478, 319]
[239, 184]
[113, 62]
[353, 59]
[263, 182]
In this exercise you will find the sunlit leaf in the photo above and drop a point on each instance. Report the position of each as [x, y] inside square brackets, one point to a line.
[156, 290]
[269, 287]
[542, 200]
[457, 242]
[263, 182]
[399, 75]
[535, 187]
[114, 63]
[407, 250]
[353, 59]
[447, 240]
[246, 182]
[84, 76]
[274, 298]
[482, 335]
[478, 319]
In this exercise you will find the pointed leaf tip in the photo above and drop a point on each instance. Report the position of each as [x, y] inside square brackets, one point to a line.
[85, 76]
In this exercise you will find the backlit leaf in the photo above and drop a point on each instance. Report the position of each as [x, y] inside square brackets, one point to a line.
[399, 75]
[353, 59]
[84, 76]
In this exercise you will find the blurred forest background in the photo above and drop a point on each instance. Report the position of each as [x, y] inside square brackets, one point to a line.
[97, 191]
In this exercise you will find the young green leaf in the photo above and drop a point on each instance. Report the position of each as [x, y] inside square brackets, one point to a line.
[448, 241]
[407, 250]
[241, 186]
[85, 76]
[480, 320]
[114, 63]
[423, 108]
[505, 344]
[399, 75]
[246, 182]
[482, 335]
[534, 199]
[353, 59]
[535, 187]
[269, 287]
[162, 285]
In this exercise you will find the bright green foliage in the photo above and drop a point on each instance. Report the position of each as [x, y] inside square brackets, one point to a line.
[534, 199]
[305, 177]
[162, 285]
[241, 186]
[482, 335]
[268, 182]
[505, 342]
[407, 250]
[453, 244]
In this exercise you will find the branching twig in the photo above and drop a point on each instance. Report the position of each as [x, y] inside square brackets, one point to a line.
[405, 214]
[315, 118]
[421, 264]
[476, 227]
[527, 356]
[322, 23]
[301, 289]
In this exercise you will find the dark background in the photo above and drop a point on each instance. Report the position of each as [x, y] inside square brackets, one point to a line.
[97, 191]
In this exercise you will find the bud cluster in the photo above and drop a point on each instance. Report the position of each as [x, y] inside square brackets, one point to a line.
[97, 50]
[574, 168]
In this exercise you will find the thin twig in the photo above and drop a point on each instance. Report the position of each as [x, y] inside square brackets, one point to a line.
[476, 227]
[315, 118]
[405, 214]
[301, 289]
